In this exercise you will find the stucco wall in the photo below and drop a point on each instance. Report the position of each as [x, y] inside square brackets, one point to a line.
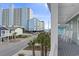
[19, 31]
[54, 29]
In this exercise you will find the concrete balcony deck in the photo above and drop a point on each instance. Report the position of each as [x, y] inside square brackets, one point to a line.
[67, 48]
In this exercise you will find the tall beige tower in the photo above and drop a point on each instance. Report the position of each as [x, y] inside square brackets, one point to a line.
[0, 16]
[5, 17]
[25, 18]
[11, 14]
[30, 13]
[17, 17]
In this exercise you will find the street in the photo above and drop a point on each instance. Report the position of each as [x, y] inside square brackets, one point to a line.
[12, 48]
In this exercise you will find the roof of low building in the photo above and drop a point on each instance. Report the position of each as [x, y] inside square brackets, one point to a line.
[13, 28]
[3, 28]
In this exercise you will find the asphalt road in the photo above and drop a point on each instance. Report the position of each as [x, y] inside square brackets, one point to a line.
[12, 48]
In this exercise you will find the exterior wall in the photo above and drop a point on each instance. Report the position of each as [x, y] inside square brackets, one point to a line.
[5, 17]
[17, 17]
[78, 28]
[19, 31]
[43, 26]
[36, 25]
[30, 16]
[33, 24]
[74, 28]
[30, 13]
[25, 18]
[54, 28]
[4, 33]
[0, 33]
[40, 25]
[11, 15]
[74, 36]
[0, 16]
[7, 33]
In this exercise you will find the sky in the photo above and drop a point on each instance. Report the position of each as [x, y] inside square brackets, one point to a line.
[40, 11]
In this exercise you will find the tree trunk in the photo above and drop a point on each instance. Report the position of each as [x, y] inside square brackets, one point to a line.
[33, 47]
[15, 37]
[46, 50]
[12, 37]
[42, 50]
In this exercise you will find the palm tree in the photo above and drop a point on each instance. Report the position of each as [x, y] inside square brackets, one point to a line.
[33, 47]
[40, 39]
[47, 43]
[32, 44]
[44, 39]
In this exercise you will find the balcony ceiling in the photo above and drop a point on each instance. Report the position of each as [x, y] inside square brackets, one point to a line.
[66, 11]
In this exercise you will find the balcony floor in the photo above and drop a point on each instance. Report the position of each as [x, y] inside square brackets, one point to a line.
[67, 48]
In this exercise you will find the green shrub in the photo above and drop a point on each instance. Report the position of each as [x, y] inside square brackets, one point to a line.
[21, 36]
[21, 54]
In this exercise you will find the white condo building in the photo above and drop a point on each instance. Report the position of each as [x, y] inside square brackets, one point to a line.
[36, 25]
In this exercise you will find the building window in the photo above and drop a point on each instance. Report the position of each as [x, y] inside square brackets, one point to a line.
[3, 32]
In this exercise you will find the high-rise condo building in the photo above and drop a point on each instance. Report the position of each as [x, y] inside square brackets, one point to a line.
[25, 18]
[33, 24]
[17, 17]
[1, 16]
[11, 14]
[21, 17]
[5, 17]
[30, 13]
[36, 25]
[40, 25]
